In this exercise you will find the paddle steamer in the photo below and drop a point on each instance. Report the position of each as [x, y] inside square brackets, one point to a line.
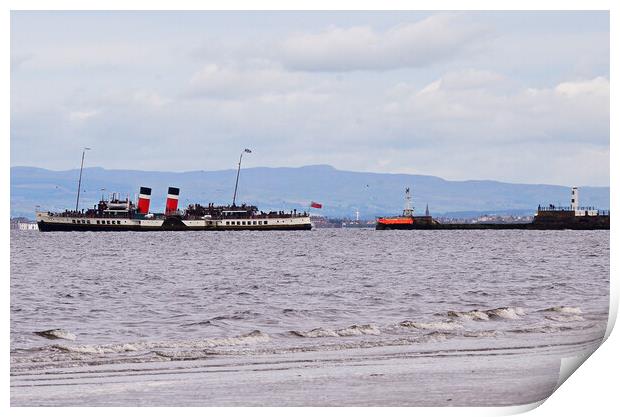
[117, 214]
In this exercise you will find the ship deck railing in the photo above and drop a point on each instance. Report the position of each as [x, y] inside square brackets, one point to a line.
[275, 215]
[90, 215]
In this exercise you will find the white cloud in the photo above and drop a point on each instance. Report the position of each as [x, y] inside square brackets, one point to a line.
[433, 39]
[469, 79]
[598, 86]
[220, 81]
[480, 107]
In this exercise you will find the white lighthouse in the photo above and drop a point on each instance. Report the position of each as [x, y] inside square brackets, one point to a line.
[574, 199]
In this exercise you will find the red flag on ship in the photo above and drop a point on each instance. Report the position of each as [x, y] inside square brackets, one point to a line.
[314, 204]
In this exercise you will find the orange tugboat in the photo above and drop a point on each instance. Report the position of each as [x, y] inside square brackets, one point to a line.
[408, 220]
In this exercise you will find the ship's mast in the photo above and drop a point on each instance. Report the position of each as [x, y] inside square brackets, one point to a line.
[246, 150]
[77, 202]
[408, 211]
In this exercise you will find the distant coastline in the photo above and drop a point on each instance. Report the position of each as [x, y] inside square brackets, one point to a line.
[341, 192]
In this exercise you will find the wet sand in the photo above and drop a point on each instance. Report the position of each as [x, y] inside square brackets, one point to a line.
[392, 376]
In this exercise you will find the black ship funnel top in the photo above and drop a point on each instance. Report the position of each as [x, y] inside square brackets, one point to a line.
[172, 202]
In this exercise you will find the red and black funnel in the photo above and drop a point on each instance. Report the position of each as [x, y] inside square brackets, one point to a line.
[144, 200]
[172, 202]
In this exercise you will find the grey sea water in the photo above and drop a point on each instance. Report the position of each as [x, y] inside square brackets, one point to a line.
[327, 317]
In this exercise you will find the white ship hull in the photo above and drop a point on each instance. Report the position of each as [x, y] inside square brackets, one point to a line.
[48, 222]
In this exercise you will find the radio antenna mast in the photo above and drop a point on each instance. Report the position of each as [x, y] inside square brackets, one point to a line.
[77, 202]
[246, 150]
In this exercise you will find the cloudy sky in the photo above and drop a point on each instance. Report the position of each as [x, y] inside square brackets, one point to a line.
[511, 96]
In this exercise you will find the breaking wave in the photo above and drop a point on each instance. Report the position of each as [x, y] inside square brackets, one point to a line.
[469, 315]
[564, 310]
[563, 314]
[56, 334]
[468, 324]
[438, 325]
[253, 337]
[510, 313]
[354, 330]
[506, 313]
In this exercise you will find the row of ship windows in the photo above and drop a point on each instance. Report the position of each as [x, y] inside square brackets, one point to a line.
[228, 223]
[253, 222]
[98, 221]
